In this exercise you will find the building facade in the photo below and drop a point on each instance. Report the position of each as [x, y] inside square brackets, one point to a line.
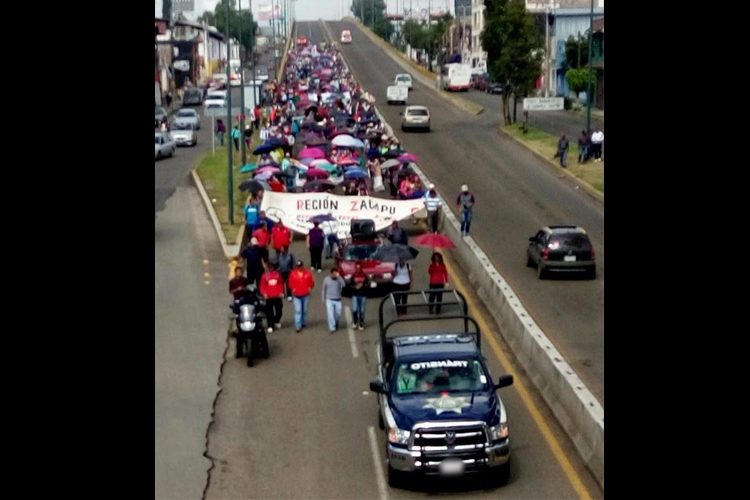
[477, 56]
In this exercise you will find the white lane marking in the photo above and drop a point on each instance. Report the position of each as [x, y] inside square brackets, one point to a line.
[382, 490]
[350, 331]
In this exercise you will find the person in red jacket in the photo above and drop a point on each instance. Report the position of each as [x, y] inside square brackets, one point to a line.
[272, 289]
[438, 279]
[281, 237]
[261, 234]
[301, 282]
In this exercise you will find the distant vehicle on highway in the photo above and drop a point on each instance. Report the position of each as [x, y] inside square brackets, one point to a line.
[479, 81]
[456, 77]
[193, 97]
[301, 41]
[184, 134]
[494, 88]
[164, 145]
[346, 36]
[415, 117]
[159, 115]
[396, 93]
[189, 116]
[561, 249]
[403, 79]
[215, 101]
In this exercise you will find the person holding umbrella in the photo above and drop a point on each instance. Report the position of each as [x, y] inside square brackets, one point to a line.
[360, 285]
[438, 279]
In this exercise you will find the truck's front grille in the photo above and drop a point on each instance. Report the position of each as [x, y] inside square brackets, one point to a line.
[462, 440]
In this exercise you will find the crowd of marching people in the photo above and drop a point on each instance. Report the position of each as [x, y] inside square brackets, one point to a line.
[320, 133]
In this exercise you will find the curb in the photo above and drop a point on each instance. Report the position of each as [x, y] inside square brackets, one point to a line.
[406, 64]
[590, 190]
[574, 406]
[230, 251]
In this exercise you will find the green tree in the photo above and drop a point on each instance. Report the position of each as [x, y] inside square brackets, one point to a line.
[363, 9]
[218, 18]
[578, 80]
[166, 10]
[514, 48]
[576, 52]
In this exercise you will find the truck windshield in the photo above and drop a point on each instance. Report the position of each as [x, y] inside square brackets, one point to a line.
[445, 375]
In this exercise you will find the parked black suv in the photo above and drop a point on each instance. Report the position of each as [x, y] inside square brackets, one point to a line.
[561, 248]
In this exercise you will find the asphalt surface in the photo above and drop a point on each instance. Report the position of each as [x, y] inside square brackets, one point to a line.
[569, 123]
[301, 424]
[516, 195]
[190, 322]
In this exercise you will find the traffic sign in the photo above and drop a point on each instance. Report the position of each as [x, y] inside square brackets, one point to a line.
[542, 103]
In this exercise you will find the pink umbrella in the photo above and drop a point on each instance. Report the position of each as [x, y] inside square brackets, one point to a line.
[408, 157]
[316, 173]
[314, 153]
[267, 169]
[347, 161]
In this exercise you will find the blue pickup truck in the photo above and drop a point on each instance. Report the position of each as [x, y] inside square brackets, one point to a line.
[437, 401]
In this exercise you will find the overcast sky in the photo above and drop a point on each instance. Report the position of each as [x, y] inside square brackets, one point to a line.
[307, 10]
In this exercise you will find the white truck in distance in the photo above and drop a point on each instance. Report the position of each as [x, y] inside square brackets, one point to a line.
[456, 77]
[396, 93]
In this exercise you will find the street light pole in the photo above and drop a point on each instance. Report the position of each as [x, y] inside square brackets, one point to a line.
[546, 51]
[230, 180]
[242, 89]
[588, 89]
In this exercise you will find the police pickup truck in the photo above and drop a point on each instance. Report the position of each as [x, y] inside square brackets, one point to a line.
[437, 401]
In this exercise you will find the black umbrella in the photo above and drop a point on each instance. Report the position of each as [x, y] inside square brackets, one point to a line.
[275, 141]
[264, 148]
[317, 186]
[393, 153]
[252, 185]
[284, 174]
[395, 253]
[406, 171]
[322, 218]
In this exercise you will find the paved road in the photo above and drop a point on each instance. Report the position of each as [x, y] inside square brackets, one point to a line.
[516, 194]
[298, 424]
[553, 122]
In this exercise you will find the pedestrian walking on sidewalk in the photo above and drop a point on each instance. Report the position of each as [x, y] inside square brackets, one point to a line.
[465, 202]
[236, 136]
[562, 150]
[597, 140]
[220, 131]
[583, 147]
[331, 294]
[301, 283]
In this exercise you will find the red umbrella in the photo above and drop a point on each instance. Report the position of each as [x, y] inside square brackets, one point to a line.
[408, 157]
[347, 161]
[316, 173]
[315, 153]
[433, 240]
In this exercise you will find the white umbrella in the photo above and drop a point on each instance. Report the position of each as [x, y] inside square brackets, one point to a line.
[347, 141]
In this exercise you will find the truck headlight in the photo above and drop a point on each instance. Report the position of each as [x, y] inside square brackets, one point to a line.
[499, 431]
[387, 276]
[398, 436]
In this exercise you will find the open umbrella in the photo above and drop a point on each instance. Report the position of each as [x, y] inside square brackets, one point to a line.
[355, 173]
[263, 176]
[393, 153]
[406, 171]
[395, 253]
[408, 158]
[322, 217]
[264, 148]
[316, 141]
[433, 240]
[252, 185]
[275, 141]
[389, 163]
[317, 186]
[314, 153]
[247, 168]
[272, 169]
[316, 173]
[347, 161]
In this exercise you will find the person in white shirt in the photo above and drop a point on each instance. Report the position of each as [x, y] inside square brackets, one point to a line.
[433, 204]
[597, 139]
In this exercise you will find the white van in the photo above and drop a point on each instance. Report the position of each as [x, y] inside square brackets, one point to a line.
[396, 93]
[403, 79]
[456, 77]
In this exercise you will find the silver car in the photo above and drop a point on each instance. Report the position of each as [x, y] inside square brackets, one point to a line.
[184, 134]
[415, 117]
[189, 116]
[164, 145]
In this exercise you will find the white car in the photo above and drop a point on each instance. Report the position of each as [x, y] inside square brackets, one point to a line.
[187, 116]
[164, 145]
[184, 134]
[416, 117]
[403, 79]
[346, 36]
[216, 100]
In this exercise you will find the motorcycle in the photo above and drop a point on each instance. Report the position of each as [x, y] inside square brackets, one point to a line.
[248, 327]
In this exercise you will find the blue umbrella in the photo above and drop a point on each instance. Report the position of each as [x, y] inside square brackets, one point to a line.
[264, 148]
[275, 141]
[355, 173]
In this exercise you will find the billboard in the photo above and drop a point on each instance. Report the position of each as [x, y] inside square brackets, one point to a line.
[267, 12]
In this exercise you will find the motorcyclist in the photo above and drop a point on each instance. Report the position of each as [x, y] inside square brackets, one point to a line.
[243, 294]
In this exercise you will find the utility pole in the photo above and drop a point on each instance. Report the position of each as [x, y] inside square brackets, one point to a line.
[546, 51]
[372, 13]
[273, 41]
[242, 89]
[230, 180]
[588, 89]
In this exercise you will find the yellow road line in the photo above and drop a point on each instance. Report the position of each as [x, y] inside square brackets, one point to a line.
[523, 392]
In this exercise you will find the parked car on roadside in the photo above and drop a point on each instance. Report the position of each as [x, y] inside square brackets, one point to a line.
[193, 97]
[184, 134]
[415, 117]
[189, 116]
[164, 145]
[561, 249]
[159, 116]
[494, 88]
[480, 81]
